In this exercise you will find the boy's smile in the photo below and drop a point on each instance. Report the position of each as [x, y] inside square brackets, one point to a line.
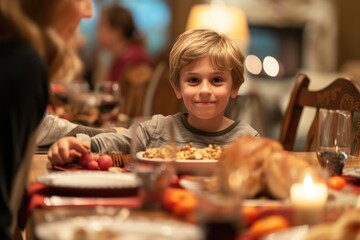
[205, 91]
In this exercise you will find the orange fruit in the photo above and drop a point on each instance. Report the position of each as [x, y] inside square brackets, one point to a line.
[268, 225]
[179, 201]
[336, 182]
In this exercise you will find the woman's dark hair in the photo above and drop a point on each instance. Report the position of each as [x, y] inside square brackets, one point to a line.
[121, 18]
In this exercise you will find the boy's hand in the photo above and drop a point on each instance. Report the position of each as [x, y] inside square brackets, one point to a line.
[66, 150]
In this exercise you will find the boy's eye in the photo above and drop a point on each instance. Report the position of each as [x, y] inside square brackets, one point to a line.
[193, 80]
[217, 80]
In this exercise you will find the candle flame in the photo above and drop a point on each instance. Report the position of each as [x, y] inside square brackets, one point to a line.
[308, 184]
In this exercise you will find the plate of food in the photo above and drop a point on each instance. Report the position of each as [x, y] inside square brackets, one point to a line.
[115, 227]
[188, 159]
[91, 182]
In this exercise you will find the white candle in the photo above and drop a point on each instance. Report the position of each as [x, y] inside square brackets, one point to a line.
[308, 193]
[308, 199]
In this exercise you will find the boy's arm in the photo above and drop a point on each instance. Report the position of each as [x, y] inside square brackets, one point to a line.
[112, 142]
[122, 141]
[53, 128]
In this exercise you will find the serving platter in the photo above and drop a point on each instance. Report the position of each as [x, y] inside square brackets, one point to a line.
[185, 166]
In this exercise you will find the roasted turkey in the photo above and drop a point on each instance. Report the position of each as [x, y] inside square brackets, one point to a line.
[258, 166]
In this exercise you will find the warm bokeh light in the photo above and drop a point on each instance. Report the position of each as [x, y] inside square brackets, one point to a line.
[253, 64]
[271, 66]
[220, 17]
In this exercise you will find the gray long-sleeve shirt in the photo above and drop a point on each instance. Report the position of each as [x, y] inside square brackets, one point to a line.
[156, 132]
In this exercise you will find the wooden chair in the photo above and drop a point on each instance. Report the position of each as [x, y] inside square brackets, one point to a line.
[342, 94]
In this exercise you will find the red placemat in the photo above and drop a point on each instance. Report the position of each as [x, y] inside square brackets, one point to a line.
[37, 194]
[353, 183]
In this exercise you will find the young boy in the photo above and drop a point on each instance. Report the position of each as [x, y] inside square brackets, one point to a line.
[206, 70]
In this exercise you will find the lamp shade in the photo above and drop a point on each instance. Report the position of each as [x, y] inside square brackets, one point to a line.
[225, 19]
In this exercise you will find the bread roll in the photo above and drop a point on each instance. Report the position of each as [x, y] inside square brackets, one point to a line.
[346, 227]
[241, 164]
[281, 170]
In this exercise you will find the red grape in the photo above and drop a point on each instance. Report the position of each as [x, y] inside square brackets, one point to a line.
[85, 158]
[92, 165]
[105, 162]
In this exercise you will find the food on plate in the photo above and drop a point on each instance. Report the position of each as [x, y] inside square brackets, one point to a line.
[92, 165]
[105, 162]
[85, 158]
[94, 161]
[336, 182]
[258, 166]
[281, 170]
[185, 152]
[268, 225]
[116, 169]
[245, 157]
[87, 234]
[346, 227]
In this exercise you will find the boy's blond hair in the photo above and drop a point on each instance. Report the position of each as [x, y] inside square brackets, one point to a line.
[197, 43]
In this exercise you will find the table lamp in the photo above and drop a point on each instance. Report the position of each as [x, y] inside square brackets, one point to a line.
[229, 20]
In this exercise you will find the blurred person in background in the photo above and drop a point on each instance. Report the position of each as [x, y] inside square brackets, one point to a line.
[130, 65]
[36, 46]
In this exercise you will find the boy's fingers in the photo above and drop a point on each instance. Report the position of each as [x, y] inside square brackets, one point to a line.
[80, 147]
[53, 155]
[74, 154]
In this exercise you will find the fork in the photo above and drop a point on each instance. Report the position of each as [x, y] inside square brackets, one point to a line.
[117, 160]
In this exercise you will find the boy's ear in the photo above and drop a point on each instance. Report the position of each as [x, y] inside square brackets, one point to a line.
[176, 90]
[234, 92]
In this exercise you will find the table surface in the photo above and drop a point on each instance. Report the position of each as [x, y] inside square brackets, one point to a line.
[40, 165]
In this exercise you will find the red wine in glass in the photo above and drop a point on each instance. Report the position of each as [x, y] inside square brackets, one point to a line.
[332, 161]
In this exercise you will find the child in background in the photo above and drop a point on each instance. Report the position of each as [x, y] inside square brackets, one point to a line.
[130, 65]
[206, 70]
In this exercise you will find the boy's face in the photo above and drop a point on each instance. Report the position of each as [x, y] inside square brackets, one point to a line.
[204, 89]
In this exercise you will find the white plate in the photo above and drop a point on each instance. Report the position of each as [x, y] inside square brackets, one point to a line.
[89, 180]
[352, 172]
[196, 187]
[188, 166]
[100, 227]
[294, 233]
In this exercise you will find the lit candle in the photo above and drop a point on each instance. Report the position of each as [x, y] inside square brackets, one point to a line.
[309, 200]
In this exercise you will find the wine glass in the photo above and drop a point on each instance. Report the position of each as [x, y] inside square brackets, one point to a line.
[154, 176]
[108, 97]
[334, 140]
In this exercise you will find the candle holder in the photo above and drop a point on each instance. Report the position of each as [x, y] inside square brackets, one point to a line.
[309, 197]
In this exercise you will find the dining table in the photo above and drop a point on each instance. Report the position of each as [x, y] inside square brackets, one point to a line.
[40, 166]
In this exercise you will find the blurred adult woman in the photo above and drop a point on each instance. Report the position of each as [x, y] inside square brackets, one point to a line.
[130, 66]
[34, 44]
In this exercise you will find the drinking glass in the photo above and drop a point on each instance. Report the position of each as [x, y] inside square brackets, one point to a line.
[108, 97]
[218, 210]
[334, 140]
[154, 176]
